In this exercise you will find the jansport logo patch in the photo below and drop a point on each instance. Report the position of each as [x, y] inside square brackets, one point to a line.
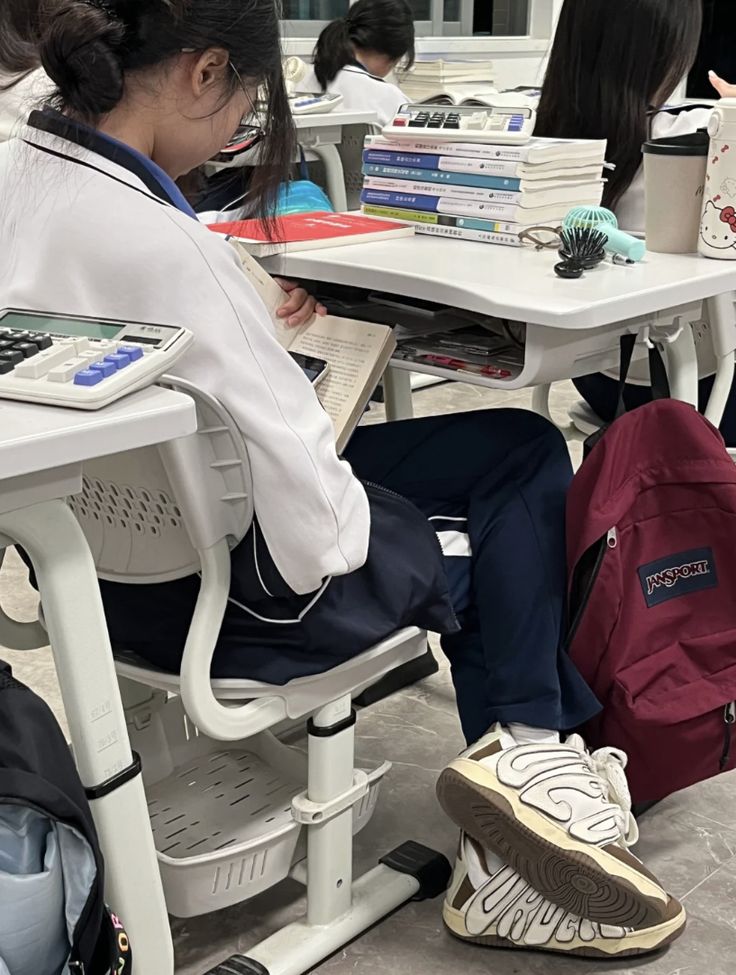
[678, 575]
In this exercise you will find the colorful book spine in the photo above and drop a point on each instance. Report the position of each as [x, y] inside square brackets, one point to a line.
[430, 204]
[442, 220]
[533, 152]
[475, 193]
[451, 164]
[449, 179]
[480, 236]
[467, 150]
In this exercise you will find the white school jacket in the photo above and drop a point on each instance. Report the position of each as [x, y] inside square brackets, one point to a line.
[17, 102]
[83, 235]
[361, 92]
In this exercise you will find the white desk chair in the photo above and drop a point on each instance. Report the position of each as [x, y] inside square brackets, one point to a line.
[234, 810]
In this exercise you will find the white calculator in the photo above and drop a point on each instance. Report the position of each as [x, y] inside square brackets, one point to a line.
[85, 363]
[495, 125]
[314, 104]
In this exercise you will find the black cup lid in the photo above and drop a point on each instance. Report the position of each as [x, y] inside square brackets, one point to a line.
[694, 144]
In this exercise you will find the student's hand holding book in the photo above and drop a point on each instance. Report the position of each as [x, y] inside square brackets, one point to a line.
[299, 307]
[722, 87]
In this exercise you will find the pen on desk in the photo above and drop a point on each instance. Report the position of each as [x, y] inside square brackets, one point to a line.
[492, 372]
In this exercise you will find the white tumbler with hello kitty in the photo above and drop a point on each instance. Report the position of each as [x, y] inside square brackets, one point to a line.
[718, 224]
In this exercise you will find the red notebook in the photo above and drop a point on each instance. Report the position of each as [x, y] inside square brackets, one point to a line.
[307, 231]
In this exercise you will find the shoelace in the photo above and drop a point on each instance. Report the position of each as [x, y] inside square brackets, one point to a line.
[609, 764]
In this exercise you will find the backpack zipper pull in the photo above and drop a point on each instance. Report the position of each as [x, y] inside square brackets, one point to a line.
[612, 538]
[729, 718]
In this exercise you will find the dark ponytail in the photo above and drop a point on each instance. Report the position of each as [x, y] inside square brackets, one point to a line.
[333, 51]
[383, 26]
[90, 47]
[19, 31]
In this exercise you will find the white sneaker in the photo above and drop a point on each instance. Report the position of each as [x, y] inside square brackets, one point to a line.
[561, 818]
[488, 903]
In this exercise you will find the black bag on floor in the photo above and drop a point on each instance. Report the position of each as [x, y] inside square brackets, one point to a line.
[53, 917]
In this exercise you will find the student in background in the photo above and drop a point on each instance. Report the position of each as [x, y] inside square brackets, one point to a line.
[355, 54]
[22, 82]
[612, 70]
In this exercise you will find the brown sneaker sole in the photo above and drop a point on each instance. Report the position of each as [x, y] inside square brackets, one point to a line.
[606, 885]
[643, 942]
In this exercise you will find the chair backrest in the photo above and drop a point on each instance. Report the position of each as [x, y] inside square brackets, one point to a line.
[146, 513]
[351, 154]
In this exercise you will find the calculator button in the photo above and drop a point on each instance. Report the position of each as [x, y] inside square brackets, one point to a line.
[42, 341]
[12, 356]
[118, 359]
[66, 372]
[104, 367]
[5, 367]
[133, 352]
[39, 365]
[27, 349]
[88, 377]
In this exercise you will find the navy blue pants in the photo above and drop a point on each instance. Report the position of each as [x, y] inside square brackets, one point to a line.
[600, 392]
[493, 485]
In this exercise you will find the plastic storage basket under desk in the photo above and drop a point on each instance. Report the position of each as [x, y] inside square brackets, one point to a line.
[221, 811]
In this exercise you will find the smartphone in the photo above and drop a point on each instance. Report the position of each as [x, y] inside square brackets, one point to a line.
[314, 369]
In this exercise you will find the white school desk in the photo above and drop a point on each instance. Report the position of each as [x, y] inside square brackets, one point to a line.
[320, 134]
[42, 450]
[573, 326]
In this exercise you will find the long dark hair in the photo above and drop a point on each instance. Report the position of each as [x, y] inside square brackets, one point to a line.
[19, 30]
[383, 26]
[89, 47]
[612, 62]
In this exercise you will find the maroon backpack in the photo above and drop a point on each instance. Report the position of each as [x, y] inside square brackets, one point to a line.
[651, 544]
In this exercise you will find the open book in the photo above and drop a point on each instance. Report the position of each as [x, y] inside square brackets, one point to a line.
[357, 352]
[457, 95]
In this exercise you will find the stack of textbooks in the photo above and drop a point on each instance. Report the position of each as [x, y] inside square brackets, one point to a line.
[488, 193]
[449, 82]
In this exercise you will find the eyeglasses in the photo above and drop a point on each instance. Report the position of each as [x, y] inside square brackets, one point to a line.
[543, 238]
[250, 131]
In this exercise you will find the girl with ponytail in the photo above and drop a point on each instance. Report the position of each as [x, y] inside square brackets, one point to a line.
[355, 54]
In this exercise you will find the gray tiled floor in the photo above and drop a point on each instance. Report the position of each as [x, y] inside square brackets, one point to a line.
[689, 841]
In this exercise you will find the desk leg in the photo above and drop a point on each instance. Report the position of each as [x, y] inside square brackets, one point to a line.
[397, 394]
[682, 366]
[72, 607]
[335, 175]
[720, 313]
[540, 401]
